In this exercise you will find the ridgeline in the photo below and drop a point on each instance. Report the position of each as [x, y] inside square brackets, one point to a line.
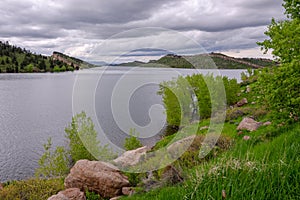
[204, 61]
[14, 59]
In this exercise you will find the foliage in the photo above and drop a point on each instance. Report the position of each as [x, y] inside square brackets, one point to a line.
[280, 87]
[292, 8]
[281, 90]
[91, 195]
[132, 142]
[83, 142]
[53, 164]
[187, 98]
[284, 40]
[33, 189]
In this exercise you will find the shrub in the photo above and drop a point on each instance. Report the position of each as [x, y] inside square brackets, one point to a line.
[33, 189]
[53, 164]
[83, 142]
[132, 142]
[280, 88]
[91, 195]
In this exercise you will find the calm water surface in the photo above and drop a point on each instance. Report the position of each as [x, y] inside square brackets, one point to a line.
[34, 107]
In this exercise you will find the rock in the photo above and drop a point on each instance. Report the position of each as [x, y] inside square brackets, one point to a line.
[246, 137]
[131, 158]
[176, 149]
[58, 197]
[99, 177]
[268, 123]
[116, 198]
[242, 102]
[171, 175]
[248, 89]
[69, 194]
[128, 191]
[203, 128]
[248, 124]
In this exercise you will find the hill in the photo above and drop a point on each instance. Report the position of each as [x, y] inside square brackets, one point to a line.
[14, 59]
[204, 61]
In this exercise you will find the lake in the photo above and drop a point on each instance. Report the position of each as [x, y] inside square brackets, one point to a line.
[34, 107]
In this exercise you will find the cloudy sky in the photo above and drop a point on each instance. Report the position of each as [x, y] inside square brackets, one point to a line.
[105, 29]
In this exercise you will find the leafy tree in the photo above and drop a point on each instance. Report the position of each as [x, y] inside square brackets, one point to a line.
[53, 164]
[280, 86]
[284, 36]
[83, 142]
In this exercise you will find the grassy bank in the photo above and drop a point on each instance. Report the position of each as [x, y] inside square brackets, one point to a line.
[264, 167]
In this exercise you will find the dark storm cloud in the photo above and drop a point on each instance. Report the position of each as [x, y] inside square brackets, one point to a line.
[76, 26]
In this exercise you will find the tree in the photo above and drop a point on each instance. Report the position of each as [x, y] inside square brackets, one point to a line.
[292, 8]
[280, 87]
[284, 36]
[83, 142]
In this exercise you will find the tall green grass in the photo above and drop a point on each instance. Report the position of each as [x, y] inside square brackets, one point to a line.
[265, 170]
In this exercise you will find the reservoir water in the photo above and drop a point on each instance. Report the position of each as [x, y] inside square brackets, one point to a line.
[34, 107]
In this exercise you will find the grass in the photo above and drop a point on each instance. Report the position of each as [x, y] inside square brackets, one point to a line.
[251, 170]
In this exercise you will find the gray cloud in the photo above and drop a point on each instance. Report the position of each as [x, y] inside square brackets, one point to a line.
[77, 26]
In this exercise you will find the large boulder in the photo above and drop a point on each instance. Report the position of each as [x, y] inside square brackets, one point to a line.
[100, 177]
[248, 124]
[131, 158]
[69, 194]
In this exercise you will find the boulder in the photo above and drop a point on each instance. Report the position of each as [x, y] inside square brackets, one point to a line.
[242, 102]
[100, 177]
[131, 158]
[69, 194]
[248, 124]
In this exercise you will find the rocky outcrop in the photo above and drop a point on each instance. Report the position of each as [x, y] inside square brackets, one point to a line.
[69, 194]
[248, 124]
[100, 177]
[131, 158]
[242, 102]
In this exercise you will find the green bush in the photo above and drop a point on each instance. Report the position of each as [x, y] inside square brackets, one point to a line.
[280, 89]
[83, 142]
[53, 164]
[132, 142]
[91, 195]
[33, 189]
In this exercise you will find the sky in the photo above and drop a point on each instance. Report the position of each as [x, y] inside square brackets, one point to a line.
[108, 30]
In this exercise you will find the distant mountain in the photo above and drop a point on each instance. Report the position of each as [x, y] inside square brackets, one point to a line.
[204, 61]
[14, 59]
